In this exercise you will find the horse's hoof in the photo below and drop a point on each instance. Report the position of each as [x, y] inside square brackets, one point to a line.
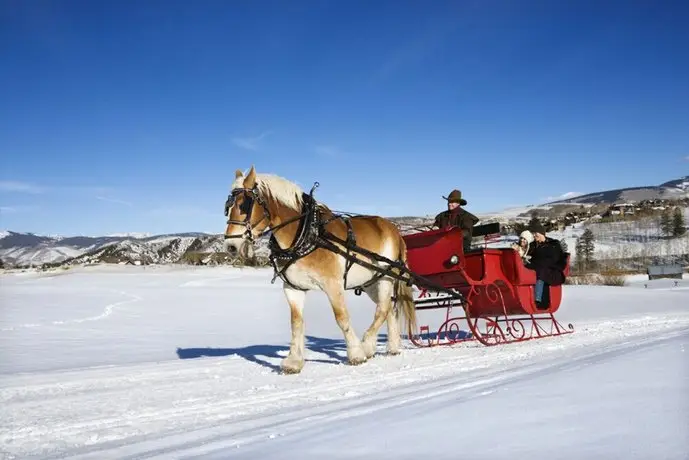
[290, 371]
[356, 361]
[369, 350]
[356, 356]
[393, 352]
[291, 367]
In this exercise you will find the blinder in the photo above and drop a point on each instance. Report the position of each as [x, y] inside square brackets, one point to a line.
[250, 195]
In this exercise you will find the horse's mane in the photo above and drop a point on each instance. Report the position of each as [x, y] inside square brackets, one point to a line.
[279, 189]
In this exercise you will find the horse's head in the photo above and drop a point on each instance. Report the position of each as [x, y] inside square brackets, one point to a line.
[247, 214]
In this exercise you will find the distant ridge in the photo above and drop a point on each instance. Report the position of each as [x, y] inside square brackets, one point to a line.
[674, 189]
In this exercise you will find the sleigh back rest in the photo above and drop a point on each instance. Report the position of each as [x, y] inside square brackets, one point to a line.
[514, 269]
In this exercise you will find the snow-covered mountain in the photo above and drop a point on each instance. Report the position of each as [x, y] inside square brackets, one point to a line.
[677, 189]
[671, 190]
[27, 249]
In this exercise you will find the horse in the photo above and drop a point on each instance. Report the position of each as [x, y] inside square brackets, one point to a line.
[266, 203]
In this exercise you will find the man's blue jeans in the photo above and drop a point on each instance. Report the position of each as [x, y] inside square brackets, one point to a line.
[539, 290]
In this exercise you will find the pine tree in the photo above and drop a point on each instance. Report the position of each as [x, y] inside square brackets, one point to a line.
[666, 223]
[534, 220]
[678, 227]
[585, 248]
[580, 260]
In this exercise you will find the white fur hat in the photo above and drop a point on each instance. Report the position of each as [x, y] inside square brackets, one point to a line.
[527, 235]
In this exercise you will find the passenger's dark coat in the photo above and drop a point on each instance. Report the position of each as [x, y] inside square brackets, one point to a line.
[548, 260]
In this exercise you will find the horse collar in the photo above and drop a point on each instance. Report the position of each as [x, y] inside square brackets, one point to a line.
[305, 241]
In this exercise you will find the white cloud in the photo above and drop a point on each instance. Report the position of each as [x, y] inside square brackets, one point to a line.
[16, 209]
[113, 200]
[422, 44]
[328, 151]
[250, 143]
[18, 186]
[28, 187]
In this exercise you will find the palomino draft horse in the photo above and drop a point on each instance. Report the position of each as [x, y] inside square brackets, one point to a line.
[308, 246]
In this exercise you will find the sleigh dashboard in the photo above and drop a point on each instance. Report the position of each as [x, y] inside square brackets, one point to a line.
[434, 252]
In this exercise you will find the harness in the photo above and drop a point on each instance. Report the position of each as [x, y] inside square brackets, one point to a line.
[311, 235]
[305, 242]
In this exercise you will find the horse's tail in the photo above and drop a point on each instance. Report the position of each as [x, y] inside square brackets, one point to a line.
[404, 295]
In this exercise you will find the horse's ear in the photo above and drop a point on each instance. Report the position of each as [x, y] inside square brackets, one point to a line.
[250, 180]
[238, 173]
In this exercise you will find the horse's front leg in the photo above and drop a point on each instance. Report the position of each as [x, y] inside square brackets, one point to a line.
[294, 362]
[355, 352]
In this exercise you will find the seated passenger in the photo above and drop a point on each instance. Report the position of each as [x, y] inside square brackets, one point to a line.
[455, 216]
[547, 259]
[524, 247]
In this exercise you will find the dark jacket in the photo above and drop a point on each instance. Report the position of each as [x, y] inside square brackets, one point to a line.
[461, 218]
[548, 260]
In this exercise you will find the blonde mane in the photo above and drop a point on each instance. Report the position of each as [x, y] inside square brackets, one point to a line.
[278, 188]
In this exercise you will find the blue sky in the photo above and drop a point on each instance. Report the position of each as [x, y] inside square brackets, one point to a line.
[124, 116]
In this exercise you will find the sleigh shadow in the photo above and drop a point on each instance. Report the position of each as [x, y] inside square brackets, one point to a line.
[335, 349]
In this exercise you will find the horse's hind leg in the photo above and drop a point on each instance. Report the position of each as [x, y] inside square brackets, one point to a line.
[394, 339]
[294, 362]
[381, 294]
[355, 353]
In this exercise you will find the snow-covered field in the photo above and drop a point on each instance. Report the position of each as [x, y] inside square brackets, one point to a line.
[626, 239]
[177, 362]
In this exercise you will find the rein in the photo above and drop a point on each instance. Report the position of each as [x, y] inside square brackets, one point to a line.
[312, 235]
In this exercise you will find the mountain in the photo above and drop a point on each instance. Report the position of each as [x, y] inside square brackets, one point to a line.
[672, 190]
[27, 249]
[596, 202]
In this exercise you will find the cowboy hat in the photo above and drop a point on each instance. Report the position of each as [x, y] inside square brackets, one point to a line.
[455, 196]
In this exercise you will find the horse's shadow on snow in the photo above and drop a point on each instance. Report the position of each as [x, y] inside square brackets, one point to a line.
[335, 349]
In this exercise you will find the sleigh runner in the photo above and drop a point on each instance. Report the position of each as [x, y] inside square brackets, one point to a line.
[486, 294]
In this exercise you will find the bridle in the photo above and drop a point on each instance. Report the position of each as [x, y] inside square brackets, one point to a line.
[251, 195]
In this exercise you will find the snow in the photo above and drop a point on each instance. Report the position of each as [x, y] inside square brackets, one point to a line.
[177, 362]
[511, 213]
[38, 255]
[626, 239]
[137, 235]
